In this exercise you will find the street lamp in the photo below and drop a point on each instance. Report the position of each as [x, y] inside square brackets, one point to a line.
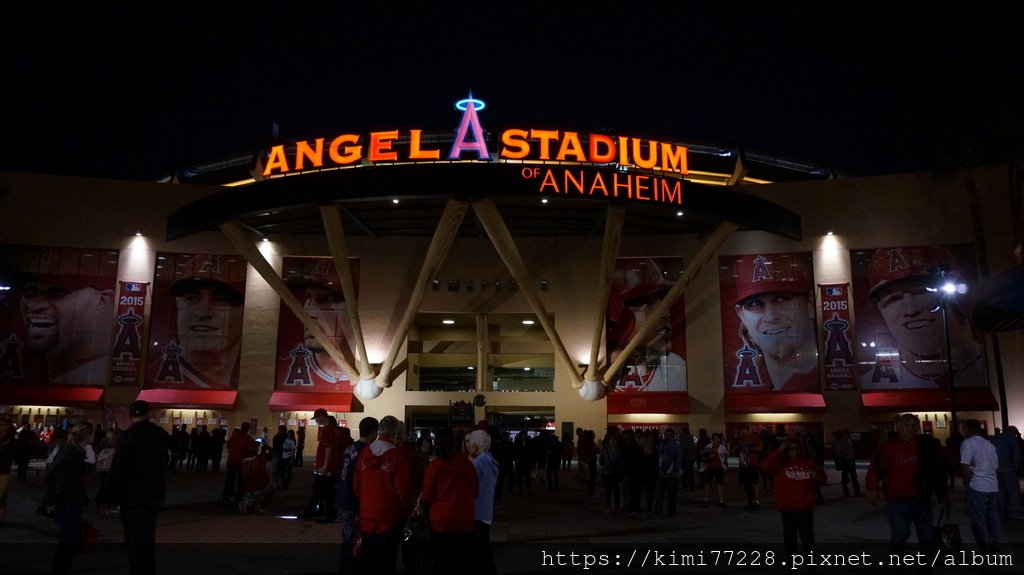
[946, 288]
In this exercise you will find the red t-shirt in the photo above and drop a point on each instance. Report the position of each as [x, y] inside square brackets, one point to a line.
[329, 436]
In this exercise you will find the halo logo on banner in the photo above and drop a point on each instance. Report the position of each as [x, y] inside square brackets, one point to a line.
[127, 356]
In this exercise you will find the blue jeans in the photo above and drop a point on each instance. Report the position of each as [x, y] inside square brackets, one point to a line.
[1009, 493]
[347, 564]
[904, 512]
[985, 522]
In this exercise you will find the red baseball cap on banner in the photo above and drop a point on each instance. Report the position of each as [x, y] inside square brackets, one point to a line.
[892, 264]
[642, 280]
[70, 282]
[206, 270]
[774, 273]
[324, 275]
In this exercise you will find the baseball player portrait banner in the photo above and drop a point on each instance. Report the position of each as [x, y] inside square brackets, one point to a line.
[840, 370]
[56, 314]
[899, 294]
[653, 380]
[302, 362]
[126, 367]
[196, 333]
[768, 323]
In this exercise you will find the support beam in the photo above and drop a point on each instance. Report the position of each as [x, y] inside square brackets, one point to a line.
[483, 339]
[707, 251]
[614, 218]
[444, 235]
[495, 227]
[242, 242]
[339, 249]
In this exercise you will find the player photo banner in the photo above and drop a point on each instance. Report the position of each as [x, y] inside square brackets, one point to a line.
[840, 370]
[125, 369]
[658, 365]
[768, 325]
[899, 296]
[302, 362]
[56, 314]
[196, 333]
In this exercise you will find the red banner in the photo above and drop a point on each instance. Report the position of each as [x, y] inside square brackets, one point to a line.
[840, 370]
[658, 364]
[131, 312]
[901, 324]
[56, 315]
[196, 321]
[302, 362]
[768, 324]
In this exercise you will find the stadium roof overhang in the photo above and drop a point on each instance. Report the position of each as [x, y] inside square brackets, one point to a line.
[407, 200]
[520, 183]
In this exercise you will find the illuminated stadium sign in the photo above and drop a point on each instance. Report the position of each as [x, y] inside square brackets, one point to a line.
[640, 169]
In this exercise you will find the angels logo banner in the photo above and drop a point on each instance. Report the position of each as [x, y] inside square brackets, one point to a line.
[901, 294]
[127, 356]
[196, 334]
[56, 314]
[768, 323]
[302, 362]
[840, 370]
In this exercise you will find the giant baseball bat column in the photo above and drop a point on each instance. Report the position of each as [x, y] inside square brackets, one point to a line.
[614, 218]
[495, 227]
[444, 235]
[339, 249]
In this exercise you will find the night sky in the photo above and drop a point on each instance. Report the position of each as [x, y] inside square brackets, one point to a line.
[136, 94]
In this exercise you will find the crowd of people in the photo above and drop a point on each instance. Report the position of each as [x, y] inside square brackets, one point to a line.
[426, 496]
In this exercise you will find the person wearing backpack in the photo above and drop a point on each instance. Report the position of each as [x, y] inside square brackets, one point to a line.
[104, 459]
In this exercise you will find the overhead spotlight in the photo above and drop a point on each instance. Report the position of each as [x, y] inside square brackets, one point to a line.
[830, 233]
[680, 213]
[448, 321]
[528, 322]
[138, 234]
[544, 200]
[394, 201]
[266, 239]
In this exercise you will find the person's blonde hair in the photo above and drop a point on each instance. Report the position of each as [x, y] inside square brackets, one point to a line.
[80, 433]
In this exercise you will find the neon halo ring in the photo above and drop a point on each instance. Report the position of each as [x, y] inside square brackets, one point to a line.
[463, 105]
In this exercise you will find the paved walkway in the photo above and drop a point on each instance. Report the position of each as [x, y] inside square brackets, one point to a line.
[200, 533]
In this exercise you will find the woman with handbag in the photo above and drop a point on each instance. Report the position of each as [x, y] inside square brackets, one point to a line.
[450, 487]
[65, 496]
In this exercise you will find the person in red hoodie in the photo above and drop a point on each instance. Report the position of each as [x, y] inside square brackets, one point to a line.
[450, 487]
[240, 446]
[383, 485]
[796, 478]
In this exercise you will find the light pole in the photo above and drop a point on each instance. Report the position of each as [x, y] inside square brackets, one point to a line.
[946, 290]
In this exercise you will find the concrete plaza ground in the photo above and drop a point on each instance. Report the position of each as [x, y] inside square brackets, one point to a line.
[200, 533]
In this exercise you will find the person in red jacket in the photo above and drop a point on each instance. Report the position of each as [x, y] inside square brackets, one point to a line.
[450, 487]
[383, 485]
[240, 446]
[796, 478]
